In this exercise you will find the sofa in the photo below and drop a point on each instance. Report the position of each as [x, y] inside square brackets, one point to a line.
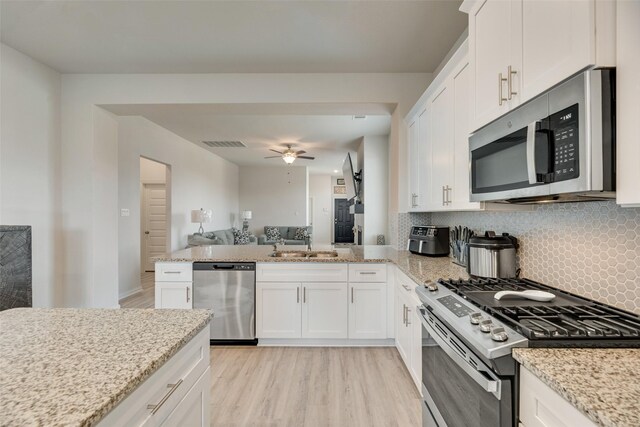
[288, 233]
[219, 237]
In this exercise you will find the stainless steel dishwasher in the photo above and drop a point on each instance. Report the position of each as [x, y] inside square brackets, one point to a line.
[230, 290]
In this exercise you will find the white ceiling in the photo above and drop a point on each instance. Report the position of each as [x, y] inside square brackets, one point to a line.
[162, 36]
[326, 131]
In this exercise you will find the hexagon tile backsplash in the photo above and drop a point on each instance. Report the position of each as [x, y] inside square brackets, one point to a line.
[591, 249]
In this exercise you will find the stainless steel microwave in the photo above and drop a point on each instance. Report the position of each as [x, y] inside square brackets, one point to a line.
[560, 146]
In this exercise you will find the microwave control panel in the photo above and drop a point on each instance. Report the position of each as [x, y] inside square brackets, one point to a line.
[564, 126]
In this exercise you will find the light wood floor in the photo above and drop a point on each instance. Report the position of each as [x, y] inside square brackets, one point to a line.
[144, 298]
[291, 386]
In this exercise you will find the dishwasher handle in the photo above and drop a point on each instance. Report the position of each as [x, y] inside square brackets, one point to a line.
[224, 266]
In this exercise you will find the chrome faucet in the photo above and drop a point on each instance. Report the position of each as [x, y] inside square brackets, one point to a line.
[275, 245]
[307, 240]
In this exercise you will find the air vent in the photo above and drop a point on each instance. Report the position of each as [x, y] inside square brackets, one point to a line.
[361, 117]
[224, 144]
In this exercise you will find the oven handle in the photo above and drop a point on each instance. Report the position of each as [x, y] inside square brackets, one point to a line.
[531, 152]
[493, 387]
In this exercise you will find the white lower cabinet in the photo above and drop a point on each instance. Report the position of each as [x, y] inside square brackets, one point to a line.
[324, 310]
[176, 395]
[290, 306]
[278, 310]
[367, 310]
[408, 327]
[174, 295]
[541, 406]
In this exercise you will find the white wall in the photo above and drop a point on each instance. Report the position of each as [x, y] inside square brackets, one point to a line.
[373, 156]
[199, 179]
[321, 191]
[274, 195]
[82, 92]
[30, 164]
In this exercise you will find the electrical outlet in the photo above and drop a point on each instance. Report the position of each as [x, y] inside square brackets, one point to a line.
[124, 212]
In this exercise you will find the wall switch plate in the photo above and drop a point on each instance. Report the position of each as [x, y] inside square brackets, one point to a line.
[124, 212]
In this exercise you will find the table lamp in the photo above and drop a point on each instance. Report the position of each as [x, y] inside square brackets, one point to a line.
[201, 216]
[246, 216]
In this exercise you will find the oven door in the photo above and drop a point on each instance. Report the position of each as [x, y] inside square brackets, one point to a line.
[459, 389]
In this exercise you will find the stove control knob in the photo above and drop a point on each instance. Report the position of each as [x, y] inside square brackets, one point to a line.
[499, 334]
[486, 325]
[432, 286]
[475, 318]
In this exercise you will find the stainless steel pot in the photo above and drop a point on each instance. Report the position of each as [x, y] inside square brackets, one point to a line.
[492, 256]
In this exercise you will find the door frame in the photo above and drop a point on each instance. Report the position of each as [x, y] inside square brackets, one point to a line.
[168, 226]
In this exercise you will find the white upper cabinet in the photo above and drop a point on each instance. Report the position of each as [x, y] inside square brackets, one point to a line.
[440, 146]
[417, 157]
[492, 25]
[520, 48]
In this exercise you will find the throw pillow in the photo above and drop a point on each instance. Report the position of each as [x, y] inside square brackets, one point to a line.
[240, 237]
[301, 233]
[273, 233]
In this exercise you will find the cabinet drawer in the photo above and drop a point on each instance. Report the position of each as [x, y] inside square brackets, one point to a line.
[152, 401]
[367, 272]
[174, 272]
[301, 272]
[541, 406]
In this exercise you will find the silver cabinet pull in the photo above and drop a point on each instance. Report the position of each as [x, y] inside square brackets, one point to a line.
[408, 323]
[351, 295]
[304, 295]
[155, 408]
[404, 314]
[501, 99]
[406, 288]
[447, 191]
[510, 73]
[367, 272]
[444, 191]
[298, 295]
[172, 272]
[188, 299]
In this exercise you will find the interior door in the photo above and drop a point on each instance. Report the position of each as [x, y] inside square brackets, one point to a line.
[343, 222]
[154, 224]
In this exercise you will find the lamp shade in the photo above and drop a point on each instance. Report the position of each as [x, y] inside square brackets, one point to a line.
[201, 216]
[246, 215]
[289, 157]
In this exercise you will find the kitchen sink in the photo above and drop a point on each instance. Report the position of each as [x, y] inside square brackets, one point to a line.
[301, 254]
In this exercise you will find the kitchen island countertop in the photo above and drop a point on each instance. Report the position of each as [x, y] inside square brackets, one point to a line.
[603, 383]
[70, 367]
[419, 268]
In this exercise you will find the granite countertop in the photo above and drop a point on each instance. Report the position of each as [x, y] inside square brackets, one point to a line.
[419, 268]
[602, 383]
[70, 367]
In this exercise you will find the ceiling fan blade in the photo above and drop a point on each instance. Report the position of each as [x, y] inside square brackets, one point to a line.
[300, 152]
[276, 151]
[306, 157]
[273, 157]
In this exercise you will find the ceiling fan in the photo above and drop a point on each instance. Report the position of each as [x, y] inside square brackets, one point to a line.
[289, 156]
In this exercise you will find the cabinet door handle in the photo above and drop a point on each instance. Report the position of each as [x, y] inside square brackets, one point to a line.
[304, 295]
[155, 408]
[501, 99]
[171, 272]
[188, 299]
[444, 196]
[351, 295]
[404, 314]
[367, 272]
[298, 295]
[448, 195]
[406, 288]
[510, 75]
[408, 323]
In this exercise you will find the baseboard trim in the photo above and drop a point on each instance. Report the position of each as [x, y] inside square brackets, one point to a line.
[309, 342]
[129, 293]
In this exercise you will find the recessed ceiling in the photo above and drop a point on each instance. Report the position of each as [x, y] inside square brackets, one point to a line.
[326, 131]
[233, 36]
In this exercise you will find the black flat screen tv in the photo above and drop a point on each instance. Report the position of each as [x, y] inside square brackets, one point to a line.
[350, 179]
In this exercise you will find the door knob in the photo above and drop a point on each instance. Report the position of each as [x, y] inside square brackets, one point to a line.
[146, 232]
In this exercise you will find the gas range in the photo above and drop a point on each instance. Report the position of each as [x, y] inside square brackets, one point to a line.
[468, 335]
[494, 326]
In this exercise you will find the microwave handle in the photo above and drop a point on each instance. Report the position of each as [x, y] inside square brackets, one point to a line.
[531, 152]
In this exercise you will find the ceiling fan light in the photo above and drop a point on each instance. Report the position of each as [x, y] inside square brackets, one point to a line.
[288, 158]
